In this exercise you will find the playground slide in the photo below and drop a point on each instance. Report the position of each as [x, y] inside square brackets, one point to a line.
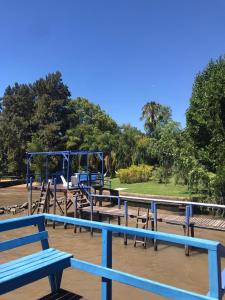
[64, 181]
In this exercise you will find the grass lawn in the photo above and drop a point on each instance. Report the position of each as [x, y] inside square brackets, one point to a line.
[153, 188]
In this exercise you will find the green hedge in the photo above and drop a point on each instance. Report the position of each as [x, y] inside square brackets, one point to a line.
[141, 173]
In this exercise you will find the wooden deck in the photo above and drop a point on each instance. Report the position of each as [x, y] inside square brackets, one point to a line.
[197, 222]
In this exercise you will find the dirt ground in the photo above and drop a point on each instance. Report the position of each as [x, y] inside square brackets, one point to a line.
[168, 265]
[15, 195]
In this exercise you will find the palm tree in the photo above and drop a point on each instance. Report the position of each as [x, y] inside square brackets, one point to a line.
[155, 115]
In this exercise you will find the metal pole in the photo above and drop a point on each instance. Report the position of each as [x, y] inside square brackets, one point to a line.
[54, 203]
[91, 201]
[46, 169]
[187, 226]
[30, 197]
[28, 169]
[126, 220]
[102, 171]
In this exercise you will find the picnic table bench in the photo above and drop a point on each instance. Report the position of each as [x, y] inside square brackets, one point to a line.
[47, 262]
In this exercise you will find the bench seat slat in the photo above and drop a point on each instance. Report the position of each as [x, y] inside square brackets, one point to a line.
[28, 267]
[25, 259]
[24, 240]
[34, 273]
[15, 264]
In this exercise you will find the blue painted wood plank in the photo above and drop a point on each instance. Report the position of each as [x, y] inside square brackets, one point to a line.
[29, 267]
[16, 223]
[106, 287]
[138, 282]
[36, 274]
[21, 262]
[214, 270]
[25, 259]
[24, 240]
[167, 237]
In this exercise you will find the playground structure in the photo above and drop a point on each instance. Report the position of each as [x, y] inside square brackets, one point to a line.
[65, 180]
[87, 176]
[78, 196]
[31, 268]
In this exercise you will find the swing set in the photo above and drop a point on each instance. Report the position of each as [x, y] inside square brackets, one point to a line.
[87, 172]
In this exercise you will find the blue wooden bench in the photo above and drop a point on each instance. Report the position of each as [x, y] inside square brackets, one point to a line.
[47, 262]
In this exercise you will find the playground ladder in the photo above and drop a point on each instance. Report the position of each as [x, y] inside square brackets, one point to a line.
[143, 224]
[43, 204]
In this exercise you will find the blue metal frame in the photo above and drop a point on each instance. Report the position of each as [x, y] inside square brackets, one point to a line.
[66, 157]
[107, 273]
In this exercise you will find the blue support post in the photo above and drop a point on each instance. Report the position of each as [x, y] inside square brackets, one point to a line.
[119, 203]
[187, 215]
[67, 187]
[28, 170]
[106, 289]
[30, 196]
[88, 177]
[154, 222]
[102, 170]
[54, 203]
[126, 220]
[44, 243]
[119, 207]
[46, 169]
[187, 226]
[191, 210]
[91, 202]
[75, 210]
[214, 265]
[68, 171]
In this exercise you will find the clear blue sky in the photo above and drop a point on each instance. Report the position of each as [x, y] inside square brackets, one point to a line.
[118, 53]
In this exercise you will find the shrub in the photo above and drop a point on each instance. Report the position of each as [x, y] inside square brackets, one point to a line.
[161, 175]
[199, 180]
[141, 173]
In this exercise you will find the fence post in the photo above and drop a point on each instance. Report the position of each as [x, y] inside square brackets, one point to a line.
[54, 202]
[155, 224]
[126, 220]
[91, 201]
[119, 203]
[30, 197]
[106, 289]
[214, 272]
[187, 226]
[119, 206]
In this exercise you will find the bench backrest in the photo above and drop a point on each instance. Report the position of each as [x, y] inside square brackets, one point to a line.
[16, 223]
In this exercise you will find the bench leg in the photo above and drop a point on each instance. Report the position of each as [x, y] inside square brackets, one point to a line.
[55, 281]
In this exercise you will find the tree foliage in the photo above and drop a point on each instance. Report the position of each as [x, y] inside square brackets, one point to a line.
[155, 116]
[206, 115]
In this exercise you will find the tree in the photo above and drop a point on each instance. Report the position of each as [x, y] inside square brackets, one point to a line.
[155, 116]
[92, 129]
[206, 115]
[51, 112]
[126, 146]
[16, 126]
[165, 148]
